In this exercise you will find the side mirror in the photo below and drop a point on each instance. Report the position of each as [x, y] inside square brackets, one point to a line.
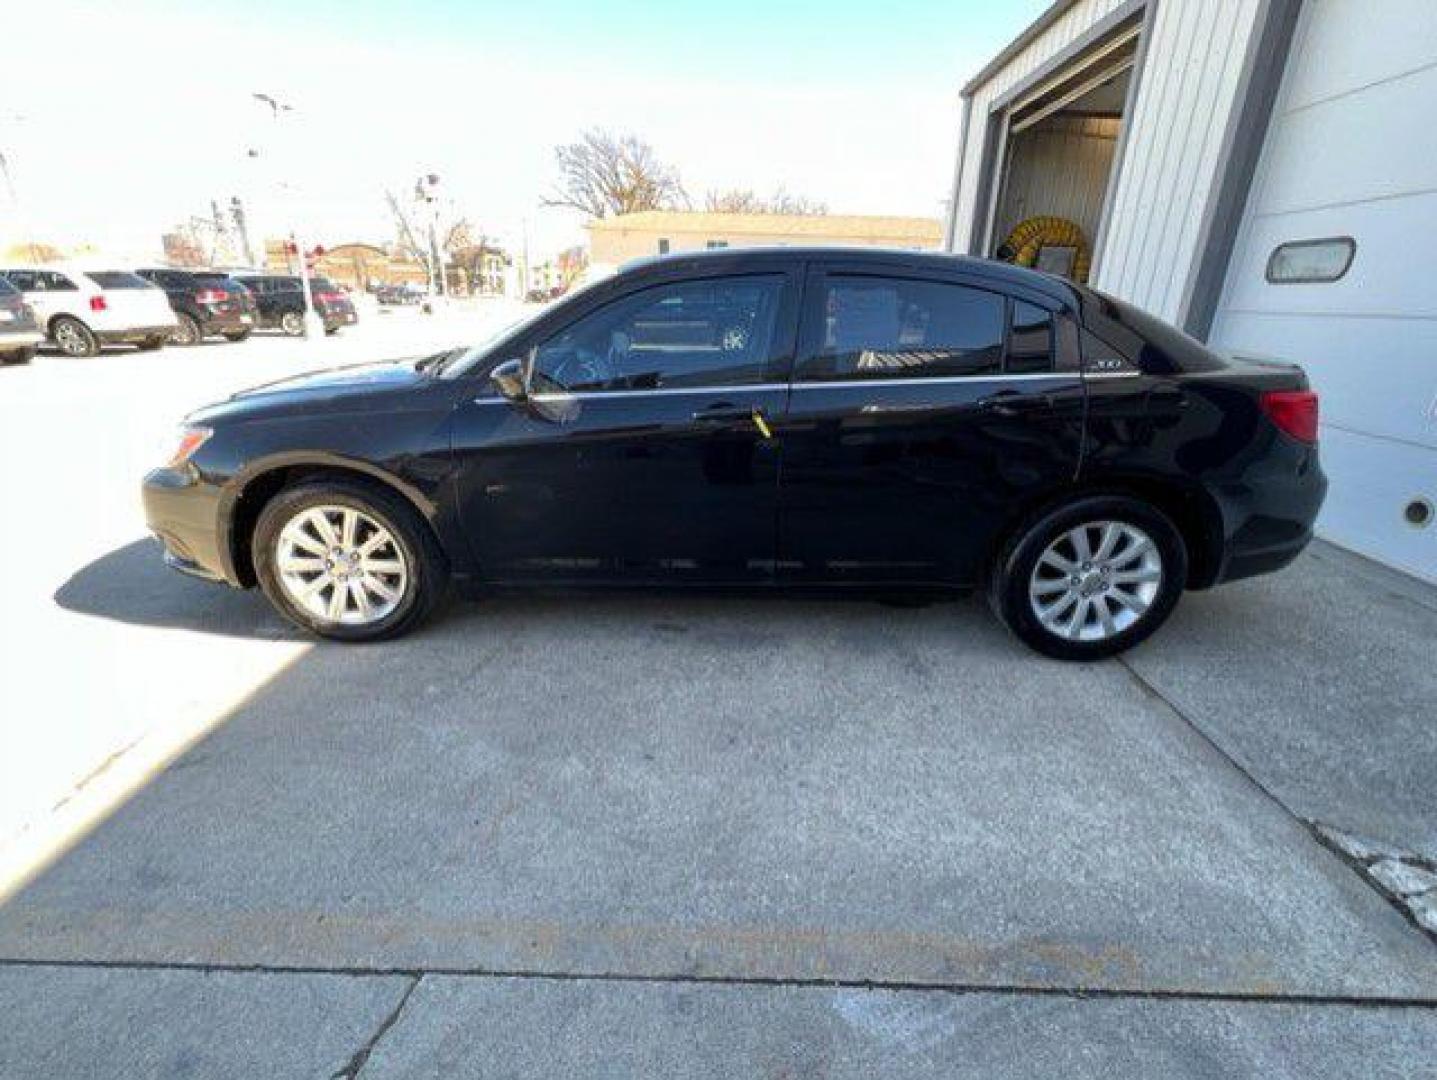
[508, 379]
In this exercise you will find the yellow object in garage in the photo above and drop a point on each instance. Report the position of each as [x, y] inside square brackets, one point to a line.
[1032, 236]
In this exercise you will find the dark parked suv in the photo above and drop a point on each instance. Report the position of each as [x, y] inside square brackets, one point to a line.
[281, 302]
[20, 334]
[795, 418]
[206, 303]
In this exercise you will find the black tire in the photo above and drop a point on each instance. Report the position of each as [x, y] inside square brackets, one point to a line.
[1013, 572]
[330, 331]
[17, 356]
[292, 323]
[153, 342]
[189, 332]
[236, 335]
[73, 337]
[427, 581]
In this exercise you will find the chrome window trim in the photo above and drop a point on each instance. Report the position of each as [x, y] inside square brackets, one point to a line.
[834, 384]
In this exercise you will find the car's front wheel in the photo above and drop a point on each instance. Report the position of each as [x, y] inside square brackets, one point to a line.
[292, 323]
[1090, 578]
[348, 561]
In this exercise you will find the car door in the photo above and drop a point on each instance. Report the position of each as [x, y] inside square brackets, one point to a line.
[927, 406]
[645, 452]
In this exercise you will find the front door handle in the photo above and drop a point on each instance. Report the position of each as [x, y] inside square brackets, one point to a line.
[726, 414]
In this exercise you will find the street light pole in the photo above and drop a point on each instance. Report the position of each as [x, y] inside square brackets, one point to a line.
[313, 325]
[426, 191]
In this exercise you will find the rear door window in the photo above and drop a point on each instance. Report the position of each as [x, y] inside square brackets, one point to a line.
[118, 279]
[1030, 340]
[24, 280]
[6, 289]
[872, 327]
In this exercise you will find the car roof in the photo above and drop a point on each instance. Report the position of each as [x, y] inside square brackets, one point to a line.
[999, 273]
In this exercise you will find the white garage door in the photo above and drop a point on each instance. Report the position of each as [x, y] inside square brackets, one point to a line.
[1351, 153]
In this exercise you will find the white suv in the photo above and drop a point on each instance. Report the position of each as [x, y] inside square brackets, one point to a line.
[81, 310]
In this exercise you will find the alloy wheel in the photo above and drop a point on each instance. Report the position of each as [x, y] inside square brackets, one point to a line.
[341, 565]
[1096, 581]
[71, 339]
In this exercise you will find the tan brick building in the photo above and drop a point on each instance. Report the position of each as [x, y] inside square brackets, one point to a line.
[614, 241]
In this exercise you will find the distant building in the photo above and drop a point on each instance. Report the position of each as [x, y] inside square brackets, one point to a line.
[614, 241]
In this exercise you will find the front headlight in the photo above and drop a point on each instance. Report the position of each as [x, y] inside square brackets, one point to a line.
[191, 438]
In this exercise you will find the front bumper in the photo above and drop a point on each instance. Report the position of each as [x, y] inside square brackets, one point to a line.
[182, 510]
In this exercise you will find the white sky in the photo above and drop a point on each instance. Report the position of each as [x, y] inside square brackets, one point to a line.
[142, 117]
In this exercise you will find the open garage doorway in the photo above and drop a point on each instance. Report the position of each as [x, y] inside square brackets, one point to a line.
[1055, 146]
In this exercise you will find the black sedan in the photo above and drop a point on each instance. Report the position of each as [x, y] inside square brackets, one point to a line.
[792, 418]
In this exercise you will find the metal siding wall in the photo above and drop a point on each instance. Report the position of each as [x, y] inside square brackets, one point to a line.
[1349, 153]
[1073, 24]
[1189, 93]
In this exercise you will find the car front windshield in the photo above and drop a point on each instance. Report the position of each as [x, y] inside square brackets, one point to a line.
[458, 361]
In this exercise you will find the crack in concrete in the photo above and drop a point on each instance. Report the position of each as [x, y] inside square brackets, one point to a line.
[1385, 868]
[361, 1056]
[998, 989]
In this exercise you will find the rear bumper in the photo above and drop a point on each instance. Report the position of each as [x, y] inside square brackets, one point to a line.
[182, 510]
[1269, 516]
[227, 322]
[128, 335]
[335, 319]
[20, 339]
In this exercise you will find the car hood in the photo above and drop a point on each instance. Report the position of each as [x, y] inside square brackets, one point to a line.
[352, 384]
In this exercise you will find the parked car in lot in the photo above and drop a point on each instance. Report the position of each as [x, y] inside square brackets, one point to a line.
[388, 295]
[19, 332]
[280, 300]
[801, 418]
[205, 302]
[81, 310]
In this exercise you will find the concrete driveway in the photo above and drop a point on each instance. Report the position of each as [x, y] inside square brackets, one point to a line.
[660, 835]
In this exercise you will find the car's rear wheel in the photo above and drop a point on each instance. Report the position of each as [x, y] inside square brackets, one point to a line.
[188, 331]
[17, 356]
[348, 561]
[236, 335]
[1090, 578]
[292, 323]
[73, 337]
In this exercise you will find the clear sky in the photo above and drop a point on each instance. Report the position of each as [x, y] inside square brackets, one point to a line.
[126, 116]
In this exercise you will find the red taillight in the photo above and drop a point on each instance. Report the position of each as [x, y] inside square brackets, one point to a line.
[1294, 411]
[211, 296]
[329, 297]
[97, 303]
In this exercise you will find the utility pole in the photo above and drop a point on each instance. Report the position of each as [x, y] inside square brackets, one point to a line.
[242, 227]
[426, 190]
[313, 325]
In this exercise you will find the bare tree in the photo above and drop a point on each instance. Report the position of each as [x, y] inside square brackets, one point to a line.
[747, 201]
[604, 174]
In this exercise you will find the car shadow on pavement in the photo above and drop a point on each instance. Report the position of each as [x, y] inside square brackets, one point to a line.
[132, 584]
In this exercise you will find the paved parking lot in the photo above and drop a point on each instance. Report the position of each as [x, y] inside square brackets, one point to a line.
[660, 835]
